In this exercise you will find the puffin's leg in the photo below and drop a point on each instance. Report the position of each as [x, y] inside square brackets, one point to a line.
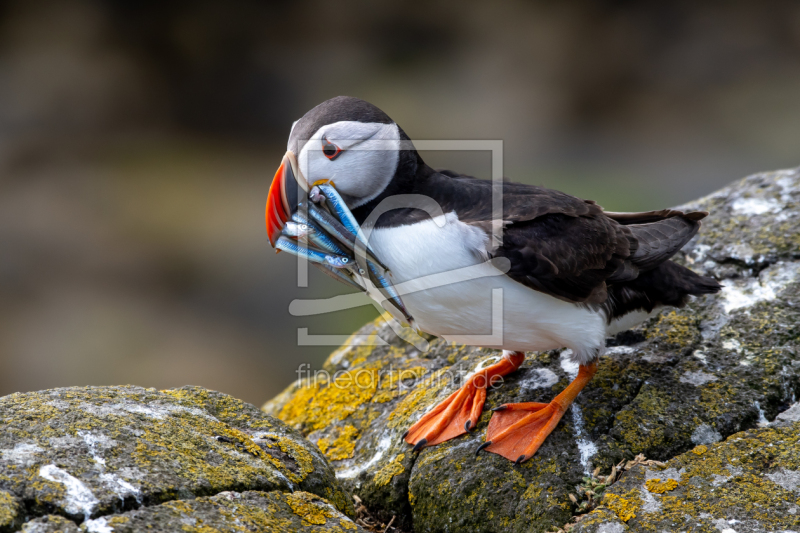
[460, 411]
[516, 430]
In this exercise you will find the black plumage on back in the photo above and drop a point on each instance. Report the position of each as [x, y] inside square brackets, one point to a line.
[567, 247]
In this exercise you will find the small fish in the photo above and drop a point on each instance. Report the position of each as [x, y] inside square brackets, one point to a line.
[336, 202]
[337, 230]
[293, 247]
[296, 229]
[338, 261]
[388, 290]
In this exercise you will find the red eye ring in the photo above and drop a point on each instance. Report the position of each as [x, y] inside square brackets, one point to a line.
[330, 150]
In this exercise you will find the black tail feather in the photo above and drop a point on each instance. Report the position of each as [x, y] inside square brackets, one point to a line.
[667, 284]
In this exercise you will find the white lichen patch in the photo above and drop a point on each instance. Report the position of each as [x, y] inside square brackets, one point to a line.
[717, 479]
[741, 294]
[697, 378]
[98, 525]
[788, 479]
[705, 434]
[23, 454]
[96, 443]
[700, 356]
[620, 350]
[755, 206]
[538, 378]
[651, 504]
[792, 414]
[586, 447]
[156, 410]
[79, 499]
[732, 345]
[614, 527]
[667, 473]
[383, 447]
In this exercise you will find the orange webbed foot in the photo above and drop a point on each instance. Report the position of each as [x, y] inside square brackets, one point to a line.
[517, 430]
[460, 411]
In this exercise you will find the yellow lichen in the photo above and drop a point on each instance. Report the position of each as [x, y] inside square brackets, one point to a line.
[656, 486]
[674, 328]
[8, 509]
[309, 507]
[318, 403]
[700, 450]
[385, 474]
[423, 395]
[348, 524]
[391, 381]
[342, 446]
[626, 506]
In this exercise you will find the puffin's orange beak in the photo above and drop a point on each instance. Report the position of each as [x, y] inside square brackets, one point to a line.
[283, 197]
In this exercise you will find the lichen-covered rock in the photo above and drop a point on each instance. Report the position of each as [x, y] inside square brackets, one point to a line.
[88, 452]
[689, 377]
[748, 484]
[232, 512]
[10, 511]
[50, 524]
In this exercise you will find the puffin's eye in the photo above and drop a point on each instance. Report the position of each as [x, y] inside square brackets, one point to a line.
[330, 150]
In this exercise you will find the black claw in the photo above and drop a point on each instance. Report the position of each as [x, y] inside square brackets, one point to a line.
[404, 435]
[519, 460]
[500, 408]
[482, 446]
[467, 424]
[418, 446]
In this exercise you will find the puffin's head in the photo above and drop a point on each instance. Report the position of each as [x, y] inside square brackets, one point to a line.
[344, 141]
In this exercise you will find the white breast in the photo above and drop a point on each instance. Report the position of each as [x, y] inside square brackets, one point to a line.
[460, 310]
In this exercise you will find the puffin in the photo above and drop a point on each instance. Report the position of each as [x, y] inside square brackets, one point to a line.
[561, 272]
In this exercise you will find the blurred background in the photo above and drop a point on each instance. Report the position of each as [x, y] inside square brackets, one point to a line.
[138, 140]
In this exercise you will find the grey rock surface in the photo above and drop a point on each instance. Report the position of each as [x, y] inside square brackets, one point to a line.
[689, 377]
[232, 512]
[87, 453]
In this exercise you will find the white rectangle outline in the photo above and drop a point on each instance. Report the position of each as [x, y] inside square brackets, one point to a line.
[495, 338]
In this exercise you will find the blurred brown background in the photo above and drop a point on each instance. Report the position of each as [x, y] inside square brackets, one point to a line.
[138, 140]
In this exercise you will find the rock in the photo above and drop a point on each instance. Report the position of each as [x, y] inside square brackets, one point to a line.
[689, 377]
[232, 512]
[50, 524]
[748, 484]
[87, 453]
